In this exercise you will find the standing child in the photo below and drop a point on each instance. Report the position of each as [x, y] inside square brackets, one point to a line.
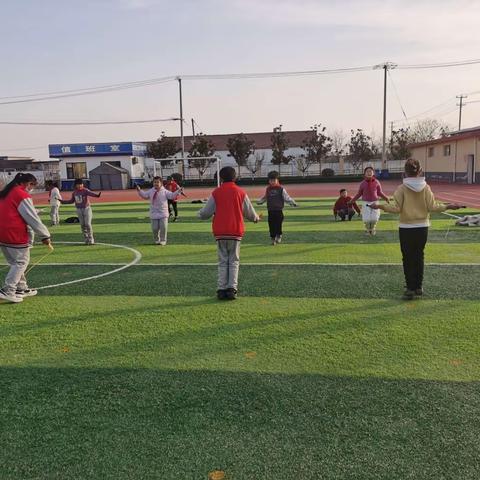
[370, 190]
[344, 207]
[228, 204]
[54, 197]
[80, 196]
[275, 196]
[172, 186]
[414, 201]
[18, 218]
[158, 196]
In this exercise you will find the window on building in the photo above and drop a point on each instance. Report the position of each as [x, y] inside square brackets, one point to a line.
[431, 151]
[115, 163]
[446, 150]
[77, 170]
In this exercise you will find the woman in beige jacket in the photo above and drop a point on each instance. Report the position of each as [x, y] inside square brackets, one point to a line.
[414, 201]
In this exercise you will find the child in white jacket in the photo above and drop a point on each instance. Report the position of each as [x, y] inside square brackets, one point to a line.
[159, 196]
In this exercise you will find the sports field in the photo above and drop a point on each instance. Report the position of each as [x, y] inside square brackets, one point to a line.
[317, 371]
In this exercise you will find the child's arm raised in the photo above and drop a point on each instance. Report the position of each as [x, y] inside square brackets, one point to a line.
[288, 199]
[67, 202]
[208, 210]
[92, 194]
[175, 194]
[142, 193]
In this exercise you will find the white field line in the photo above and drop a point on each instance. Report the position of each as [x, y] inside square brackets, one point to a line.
[246, 264]
[138, 257]
[451, 215]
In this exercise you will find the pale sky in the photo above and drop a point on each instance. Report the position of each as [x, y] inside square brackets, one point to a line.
[51, 45]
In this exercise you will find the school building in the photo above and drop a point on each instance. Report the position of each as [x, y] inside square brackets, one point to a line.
[111, 165]
[452, 158]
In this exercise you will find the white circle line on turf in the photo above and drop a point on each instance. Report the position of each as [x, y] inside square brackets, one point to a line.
[138, 257]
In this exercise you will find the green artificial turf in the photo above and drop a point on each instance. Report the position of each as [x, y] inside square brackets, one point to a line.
[317, 371]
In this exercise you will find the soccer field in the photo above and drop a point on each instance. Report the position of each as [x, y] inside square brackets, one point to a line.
[317, 371]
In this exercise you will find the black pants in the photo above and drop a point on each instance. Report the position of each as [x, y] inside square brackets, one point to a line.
[412, 243]
[346, 212]
[172, 204]
[275, 220]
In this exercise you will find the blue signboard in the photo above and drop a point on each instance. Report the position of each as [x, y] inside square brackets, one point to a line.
[96, 149]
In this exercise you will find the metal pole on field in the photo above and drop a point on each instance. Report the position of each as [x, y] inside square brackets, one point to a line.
[461, 104]
[218, 171]
[385, 66]
[182, 140]
[193, 129]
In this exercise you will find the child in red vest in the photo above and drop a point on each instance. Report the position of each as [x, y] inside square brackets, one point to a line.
[228, 204]
[275, 196]
[18, 218]
[172, 186]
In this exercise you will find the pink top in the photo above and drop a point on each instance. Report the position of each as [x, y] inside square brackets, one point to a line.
[370, 191]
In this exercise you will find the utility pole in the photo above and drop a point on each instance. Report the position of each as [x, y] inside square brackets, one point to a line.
[385, 66]
[193, 128]
[461, 104]
[181, 116]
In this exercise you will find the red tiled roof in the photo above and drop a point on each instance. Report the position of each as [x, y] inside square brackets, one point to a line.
[460, 135]
[262, 139]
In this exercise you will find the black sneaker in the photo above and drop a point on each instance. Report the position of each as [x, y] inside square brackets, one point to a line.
[231, 294]
[408, 294]
[419, 292]
[222, 294]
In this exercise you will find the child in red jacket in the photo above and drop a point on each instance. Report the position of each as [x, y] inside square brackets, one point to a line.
[228, 204]
[344, 207]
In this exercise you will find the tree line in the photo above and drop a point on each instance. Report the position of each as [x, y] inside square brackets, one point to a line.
[317, 146]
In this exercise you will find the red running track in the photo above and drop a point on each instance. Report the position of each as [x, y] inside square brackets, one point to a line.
[468, 195]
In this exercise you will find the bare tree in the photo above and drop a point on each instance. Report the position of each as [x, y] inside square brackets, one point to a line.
[429, 129]
[201, 147]
[254, 163]
[360, 148]
[303, 163]
[338, 138]
[317, 145]
[280, 144]
[240, 148]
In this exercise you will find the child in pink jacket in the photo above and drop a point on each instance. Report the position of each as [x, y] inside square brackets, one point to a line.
[370, 191]
[159, 197]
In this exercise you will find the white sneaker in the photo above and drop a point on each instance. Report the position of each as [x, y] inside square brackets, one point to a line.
[28, 292]
[9, 298]
[157, 242]
[163, 243]
[278, 239]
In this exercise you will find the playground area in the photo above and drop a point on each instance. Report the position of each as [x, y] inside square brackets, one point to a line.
[126, 366]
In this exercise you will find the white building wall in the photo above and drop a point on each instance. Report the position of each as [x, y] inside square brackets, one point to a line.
[135, 171]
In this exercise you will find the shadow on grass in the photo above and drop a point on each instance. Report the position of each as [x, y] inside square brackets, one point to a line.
[306, 281]
[166, 424]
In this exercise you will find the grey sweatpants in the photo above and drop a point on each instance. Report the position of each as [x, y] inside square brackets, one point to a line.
[54, 217]
[159, 229]
[228, 263]
[85, 217]
[18, 259]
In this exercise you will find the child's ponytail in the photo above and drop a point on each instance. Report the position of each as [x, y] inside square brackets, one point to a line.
[17, 180]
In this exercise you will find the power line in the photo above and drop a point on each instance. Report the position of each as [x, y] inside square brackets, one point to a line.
[396, 94]
[458, 63]
[53, 95]
[157, 120]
